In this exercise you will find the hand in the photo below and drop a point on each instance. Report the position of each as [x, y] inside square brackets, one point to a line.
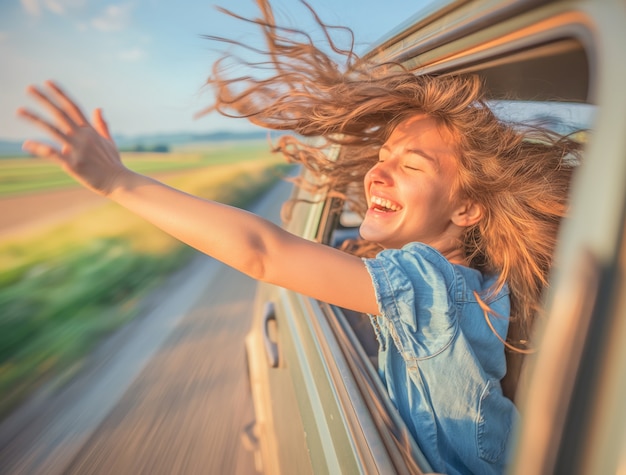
[87, 152]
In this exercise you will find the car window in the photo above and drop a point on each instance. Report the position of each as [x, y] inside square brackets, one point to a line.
[564, 118]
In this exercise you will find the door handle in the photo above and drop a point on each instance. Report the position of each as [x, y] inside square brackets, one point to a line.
[271, 346]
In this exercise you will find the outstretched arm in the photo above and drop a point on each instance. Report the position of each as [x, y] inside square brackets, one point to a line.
[238, 238]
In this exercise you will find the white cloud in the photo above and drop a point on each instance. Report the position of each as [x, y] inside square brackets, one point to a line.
[134, 54]
[31, 6]
[54, 6]
[60, 7]
[3, 36]
[113, 18]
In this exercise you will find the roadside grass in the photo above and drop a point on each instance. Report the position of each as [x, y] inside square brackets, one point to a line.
[61, 291]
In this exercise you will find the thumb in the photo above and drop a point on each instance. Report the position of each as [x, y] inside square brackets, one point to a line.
[100, 124]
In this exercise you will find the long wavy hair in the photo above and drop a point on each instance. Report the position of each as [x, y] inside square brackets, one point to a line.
[518, 174]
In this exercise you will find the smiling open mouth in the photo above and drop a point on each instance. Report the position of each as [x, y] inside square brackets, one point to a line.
[381, 204]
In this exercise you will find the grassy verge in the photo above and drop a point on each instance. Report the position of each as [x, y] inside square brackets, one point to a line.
[62, 291]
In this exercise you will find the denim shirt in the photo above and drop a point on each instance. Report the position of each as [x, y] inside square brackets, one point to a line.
[439, 359]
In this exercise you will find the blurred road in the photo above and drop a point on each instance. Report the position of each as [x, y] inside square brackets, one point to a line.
[166, 395]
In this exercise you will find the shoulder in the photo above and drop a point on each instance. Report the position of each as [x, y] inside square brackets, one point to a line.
[415, 288]
[415, 263]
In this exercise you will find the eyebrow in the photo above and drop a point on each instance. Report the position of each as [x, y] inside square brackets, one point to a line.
[421, 153]
[417, 151]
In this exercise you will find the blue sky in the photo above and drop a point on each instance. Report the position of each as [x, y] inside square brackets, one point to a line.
[144, 61]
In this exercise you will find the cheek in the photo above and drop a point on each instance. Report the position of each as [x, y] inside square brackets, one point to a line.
[368, 176]
[367, 181]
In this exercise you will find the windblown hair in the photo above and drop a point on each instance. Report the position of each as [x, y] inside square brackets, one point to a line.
[519, 175]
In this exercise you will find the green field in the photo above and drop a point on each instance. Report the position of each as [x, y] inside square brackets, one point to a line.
[25, 175]
[62, 290]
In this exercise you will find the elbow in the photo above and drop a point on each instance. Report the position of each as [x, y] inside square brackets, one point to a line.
[256, 269]
[262, 254]
[256, 265]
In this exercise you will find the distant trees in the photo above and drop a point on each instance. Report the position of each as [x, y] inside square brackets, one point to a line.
[158, 148]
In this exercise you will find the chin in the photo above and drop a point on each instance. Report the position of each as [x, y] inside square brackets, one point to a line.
[370, 236]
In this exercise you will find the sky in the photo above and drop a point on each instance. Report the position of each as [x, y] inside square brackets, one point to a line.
[145, 61]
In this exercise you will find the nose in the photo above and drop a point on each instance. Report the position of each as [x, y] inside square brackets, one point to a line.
[379, 173]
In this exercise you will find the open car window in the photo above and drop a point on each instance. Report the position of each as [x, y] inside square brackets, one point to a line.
[340, 224]
[354, 331]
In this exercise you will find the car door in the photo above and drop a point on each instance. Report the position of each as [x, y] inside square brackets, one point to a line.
[319, 403]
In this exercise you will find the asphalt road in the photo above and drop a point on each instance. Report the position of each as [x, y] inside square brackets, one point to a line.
[166, 395]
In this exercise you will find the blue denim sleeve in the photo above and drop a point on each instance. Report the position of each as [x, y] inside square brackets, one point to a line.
[413, 286]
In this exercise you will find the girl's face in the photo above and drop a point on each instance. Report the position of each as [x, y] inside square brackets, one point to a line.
[411, 191]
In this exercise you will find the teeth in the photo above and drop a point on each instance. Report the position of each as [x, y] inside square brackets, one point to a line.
[384, 203]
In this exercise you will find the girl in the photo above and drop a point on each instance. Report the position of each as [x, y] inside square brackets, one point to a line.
[462, 210]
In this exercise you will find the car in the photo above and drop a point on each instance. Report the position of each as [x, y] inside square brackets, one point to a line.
[320, 406]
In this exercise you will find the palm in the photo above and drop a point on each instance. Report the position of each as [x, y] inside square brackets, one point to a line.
[86, 150]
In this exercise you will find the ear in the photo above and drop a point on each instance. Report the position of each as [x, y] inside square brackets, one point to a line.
[467, 214]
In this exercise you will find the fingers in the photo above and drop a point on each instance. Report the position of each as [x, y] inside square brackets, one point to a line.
[42, 150]
[67, 113]
[100, 124]
[69, 105]
[63, 120]
[69, 127]
[35, 119]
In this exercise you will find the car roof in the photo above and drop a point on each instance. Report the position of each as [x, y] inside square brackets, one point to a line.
[541, 50]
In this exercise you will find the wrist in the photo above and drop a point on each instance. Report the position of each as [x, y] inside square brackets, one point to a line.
[123, 181]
